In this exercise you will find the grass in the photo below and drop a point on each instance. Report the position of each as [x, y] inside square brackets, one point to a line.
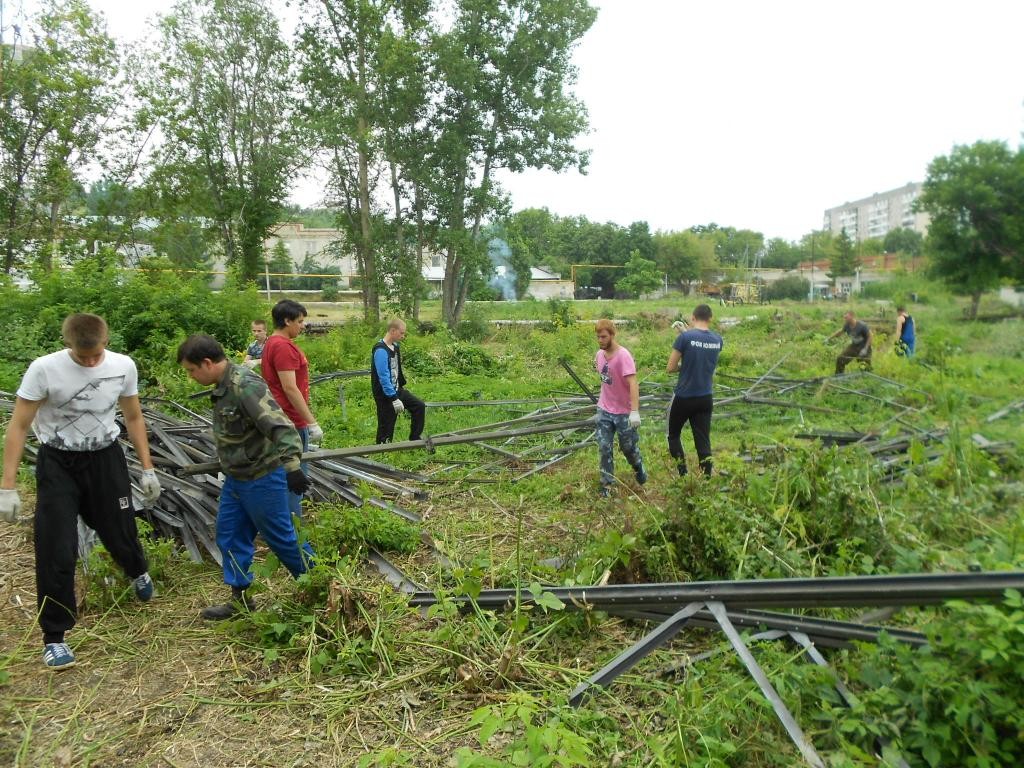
[337, 670]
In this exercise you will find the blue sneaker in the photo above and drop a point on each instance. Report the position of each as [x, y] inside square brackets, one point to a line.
[143, 587]
[58, 656]
[605, 492]
[641, 476]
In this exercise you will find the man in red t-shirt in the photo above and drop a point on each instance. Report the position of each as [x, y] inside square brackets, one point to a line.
[286, 371]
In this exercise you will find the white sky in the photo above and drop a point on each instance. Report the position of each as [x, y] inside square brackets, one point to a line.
[760, 114]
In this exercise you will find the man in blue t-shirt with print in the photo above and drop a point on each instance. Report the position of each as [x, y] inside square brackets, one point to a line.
[695, 355]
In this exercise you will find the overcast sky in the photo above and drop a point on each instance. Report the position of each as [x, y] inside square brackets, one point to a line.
[761, 114]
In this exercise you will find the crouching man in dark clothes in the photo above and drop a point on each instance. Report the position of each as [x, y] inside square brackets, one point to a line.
[259, 450]
[859, 347]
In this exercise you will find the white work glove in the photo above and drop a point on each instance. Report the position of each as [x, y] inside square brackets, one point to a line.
[398, 405]
[250, 364]
[864, 352]
[316, 435]
[634, 419]
[150, 486]
[10, 505]
[679, 325]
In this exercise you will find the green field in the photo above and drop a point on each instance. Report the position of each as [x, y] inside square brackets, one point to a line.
[338, 670]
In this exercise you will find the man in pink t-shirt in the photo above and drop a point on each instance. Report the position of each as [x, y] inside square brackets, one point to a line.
[618, 407]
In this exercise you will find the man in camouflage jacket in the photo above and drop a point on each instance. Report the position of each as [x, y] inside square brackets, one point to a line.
[259, 450]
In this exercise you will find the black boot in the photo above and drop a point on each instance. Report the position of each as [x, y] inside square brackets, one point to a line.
[239, 602]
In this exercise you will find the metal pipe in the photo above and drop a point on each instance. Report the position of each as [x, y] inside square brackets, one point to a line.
[843, 591]
[406, 445]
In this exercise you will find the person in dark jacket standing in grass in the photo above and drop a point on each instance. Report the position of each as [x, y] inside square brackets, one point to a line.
[387, 381]
[259, 449]
[695, 355]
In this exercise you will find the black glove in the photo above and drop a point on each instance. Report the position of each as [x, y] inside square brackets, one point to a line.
[298, 483]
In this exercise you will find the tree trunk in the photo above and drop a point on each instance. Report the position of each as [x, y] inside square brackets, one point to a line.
[972, 312]
[420, 233]
[452, 286]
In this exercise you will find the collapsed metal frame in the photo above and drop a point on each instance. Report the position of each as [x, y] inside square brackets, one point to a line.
[678, 605]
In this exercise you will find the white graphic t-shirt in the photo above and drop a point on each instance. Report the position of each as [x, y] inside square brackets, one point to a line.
[78, 412]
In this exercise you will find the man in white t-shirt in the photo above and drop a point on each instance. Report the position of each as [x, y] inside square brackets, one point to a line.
[618, 407]
[69, 399]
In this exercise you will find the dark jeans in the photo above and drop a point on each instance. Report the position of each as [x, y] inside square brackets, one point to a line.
[95, 485]
[629, 441]
[697, 411]
[386, 416]
[849, 355]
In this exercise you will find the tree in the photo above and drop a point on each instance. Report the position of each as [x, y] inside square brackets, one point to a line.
[781, 254]
[54, 97]
[844, 261]
[683, 256]
[504, 71]
[872, 246]
[903, 240]
[222, 94]
[642, 276]
[364, 70]
[975, 197]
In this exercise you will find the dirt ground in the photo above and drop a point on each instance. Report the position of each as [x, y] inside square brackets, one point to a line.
[154, 685]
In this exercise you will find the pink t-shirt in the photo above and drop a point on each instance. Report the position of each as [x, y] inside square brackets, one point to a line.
[614, 387]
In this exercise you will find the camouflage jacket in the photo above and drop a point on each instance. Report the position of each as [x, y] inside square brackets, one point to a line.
[253, 434]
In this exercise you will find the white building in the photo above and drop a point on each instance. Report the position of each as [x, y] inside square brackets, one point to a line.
[875, 216]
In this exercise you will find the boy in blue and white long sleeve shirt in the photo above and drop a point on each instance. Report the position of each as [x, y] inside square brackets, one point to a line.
[388, 385]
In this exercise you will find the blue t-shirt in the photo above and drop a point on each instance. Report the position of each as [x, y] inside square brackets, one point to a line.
[700, 351]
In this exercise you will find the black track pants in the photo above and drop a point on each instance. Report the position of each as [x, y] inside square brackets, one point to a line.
[95, 485]
[386, 416]
[697, 411]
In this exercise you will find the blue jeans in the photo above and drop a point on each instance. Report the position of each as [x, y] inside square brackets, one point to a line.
[248, 507]
[629, 442]
[294, 499]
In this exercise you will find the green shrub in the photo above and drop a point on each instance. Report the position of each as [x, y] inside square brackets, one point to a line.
[957, 701]
[791, 287]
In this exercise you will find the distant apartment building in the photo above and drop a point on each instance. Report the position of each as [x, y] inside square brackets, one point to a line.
[874, 216]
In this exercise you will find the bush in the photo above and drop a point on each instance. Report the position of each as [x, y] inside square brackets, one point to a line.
[793, 287]
[957, 701]
[149, 313]
[562, 313]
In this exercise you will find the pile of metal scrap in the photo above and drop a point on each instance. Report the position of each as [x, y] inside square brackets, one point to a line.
[727, 605]
[808, 394]
[187, 509]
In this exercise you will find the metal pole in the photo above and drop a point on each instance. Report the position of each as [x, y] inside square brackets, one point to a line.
[406, 445]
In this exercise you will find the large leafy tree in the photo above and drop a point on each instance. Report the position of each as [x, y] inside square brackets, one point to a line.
[223, 95]
[684, 256]
[362, 66]
[504, 73]
[903, 240]
[55, 96]
[975, 197]
[642, 276]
